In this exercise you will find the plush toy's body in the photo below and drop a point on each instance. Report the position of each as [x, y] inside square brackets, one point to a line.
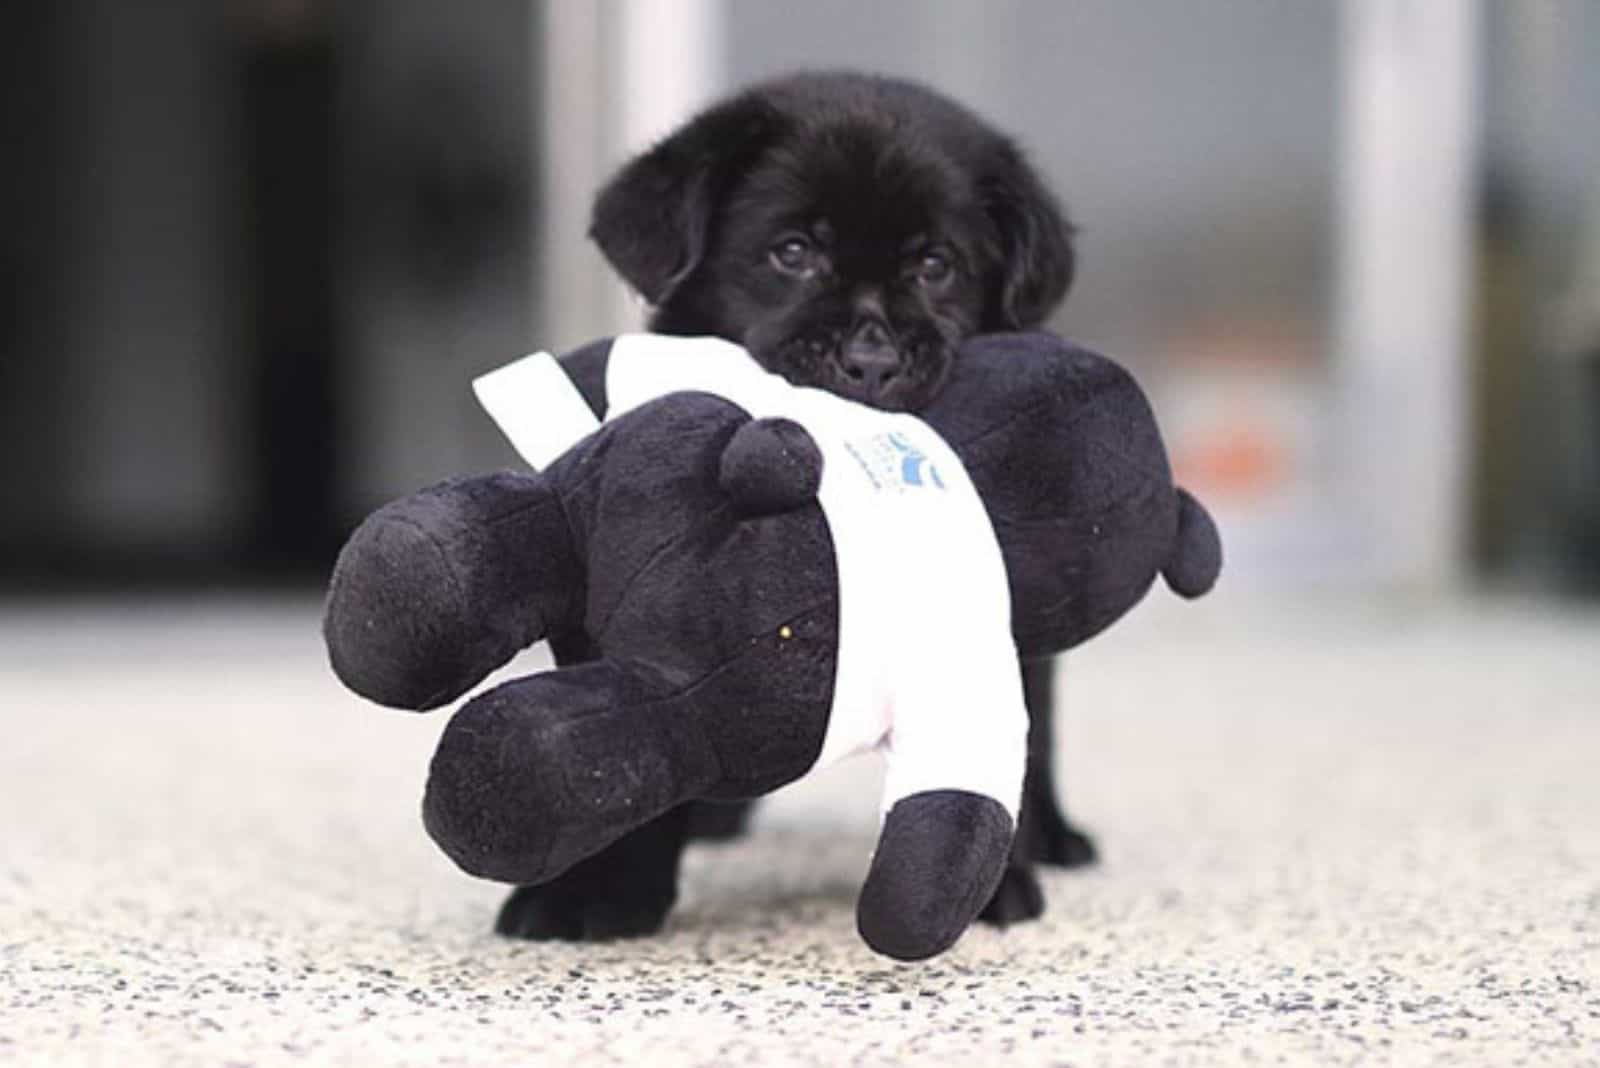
[912, 548]
[751, 599]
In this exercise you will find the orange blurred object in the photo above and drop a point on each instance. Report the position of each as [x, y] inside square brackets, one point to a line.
[1248, 460]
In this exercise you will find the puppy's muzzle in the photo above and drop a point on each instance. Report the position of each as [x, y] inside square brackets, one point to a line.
[870, 360]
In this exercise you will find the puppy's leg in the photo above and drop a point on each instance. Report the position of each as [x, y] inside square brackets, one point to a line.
[1018, 897]
[624, 891]
[1043, 833]
[719, 821]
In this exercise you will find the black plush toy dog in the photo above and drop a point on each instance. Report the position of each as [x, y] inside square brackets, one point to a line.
[762, 579]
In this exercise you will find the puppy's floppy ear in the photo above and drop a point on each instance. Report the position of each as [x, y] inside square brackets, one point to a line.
[652, 219]
[1035, 244]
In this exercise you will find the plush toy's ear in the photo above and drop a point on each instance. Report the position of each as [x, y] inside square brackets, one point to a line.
[770, 466]
[1197, 551]
[1037, 259]
[651, 220]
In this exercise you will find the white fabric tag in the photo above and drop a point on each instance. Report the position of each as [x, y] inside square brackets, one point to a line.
[537, 407]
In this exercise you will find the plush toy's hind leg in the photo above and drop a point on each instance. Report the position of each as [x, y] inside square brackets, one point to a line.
[542, 772]
[435, 591]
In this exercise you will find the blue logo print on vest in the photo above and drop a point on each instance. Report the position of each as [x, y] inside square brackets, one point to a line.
[914, 463]
[893, 462]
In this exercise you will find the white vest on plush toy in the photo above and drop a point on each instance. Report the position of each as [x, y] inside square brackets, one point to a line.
[927, 670]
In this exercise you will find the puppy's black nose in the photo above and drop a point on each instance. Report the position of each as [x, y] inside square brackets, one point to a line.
[870, 358]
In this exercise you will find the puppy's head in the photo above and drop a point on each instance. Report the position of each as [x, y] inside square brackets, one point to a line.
[849, 231]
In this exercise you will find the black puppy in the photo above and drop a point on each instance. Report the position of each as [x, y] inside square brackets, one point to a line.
[850, 231]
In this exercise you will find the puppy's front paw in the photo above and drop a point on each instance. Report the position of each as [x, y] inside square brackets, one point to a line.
[554, 913]
[1016, 900]
[1060, 844]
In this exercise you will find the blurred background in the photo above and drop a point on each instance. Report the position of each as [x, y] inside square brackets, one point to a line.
[254, 252]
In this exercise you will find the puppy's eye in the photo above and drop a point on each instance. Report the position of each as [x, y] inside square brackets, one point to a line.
[796, 256]
[933, 268]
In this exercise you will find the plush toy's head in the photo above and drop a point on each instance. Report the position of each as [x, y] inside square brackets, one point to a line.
[1063, 447]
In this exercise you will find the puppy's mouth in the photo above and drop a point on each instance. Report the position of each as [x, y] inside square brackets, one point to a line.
[869, 363]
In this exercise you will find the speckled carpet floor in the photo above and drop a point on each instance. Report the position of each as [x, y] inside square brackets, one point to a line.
[1332, 835]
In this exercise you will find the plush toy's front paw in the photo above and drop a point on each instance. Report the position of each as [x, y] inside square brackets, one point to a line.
[555, 912]
[940, 855]
[1016, 900]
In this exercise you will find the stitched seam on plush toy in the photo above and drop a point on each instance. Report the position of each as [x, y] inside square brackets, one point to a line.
[690, 687]
[557, 503]
[1056, 606]
[583, 480]
[579, 592]
[755, 636]
[519, 510]
[455, 583]
[1057, 520]
[1118, 454]
[1118, 502]
[561, 495]
[627, 587]
[1025, 413]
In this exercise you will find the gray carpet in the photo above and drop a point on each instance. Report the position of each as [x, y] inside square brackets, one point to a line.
[1332, 834]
